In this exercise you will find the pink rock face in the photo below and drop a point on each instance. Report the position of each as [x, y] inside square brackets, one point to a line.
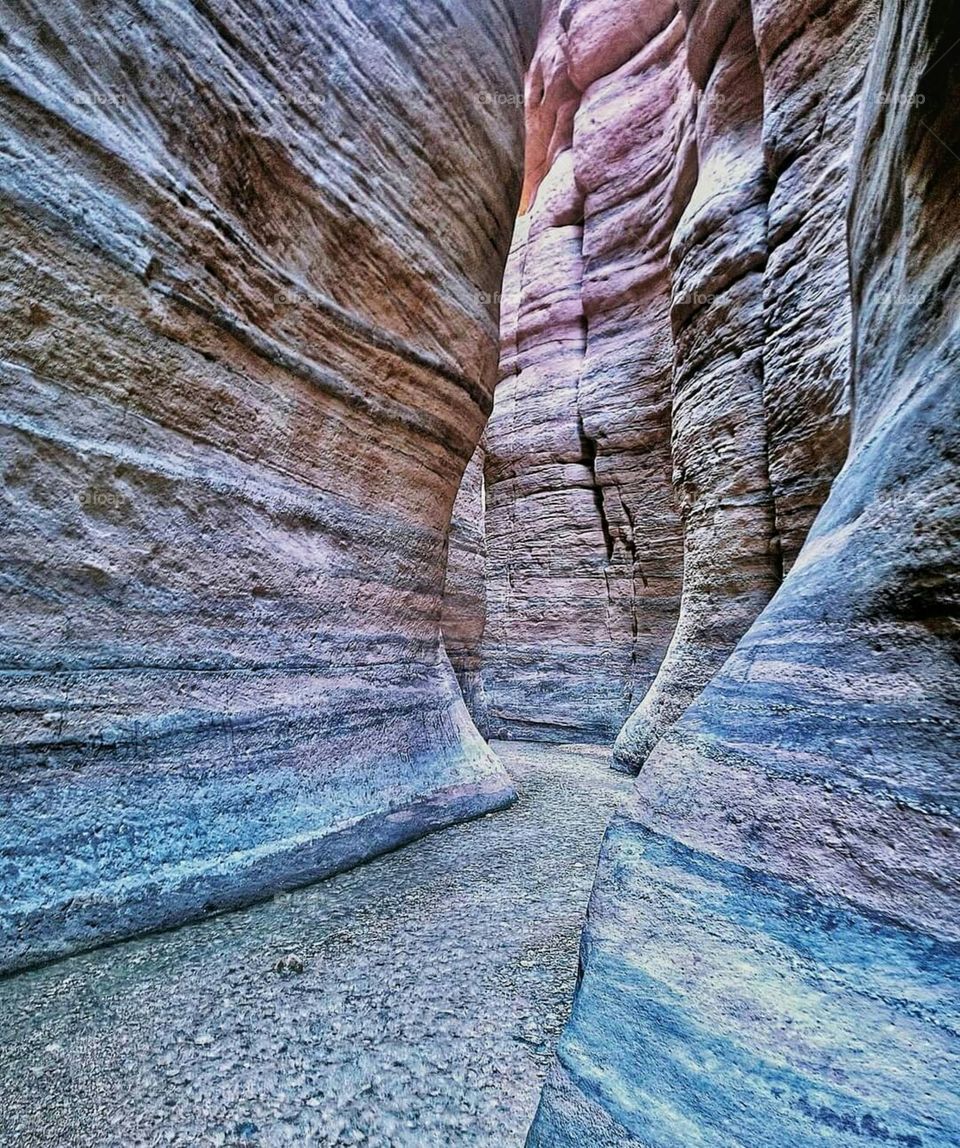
[771, 954]
[583, 530]
[664, 416]
[248, 351]
[760, 414]
[718, 255]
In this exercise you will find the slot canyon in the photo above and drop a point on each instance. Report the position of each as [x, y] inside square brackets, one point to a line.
[480, 573]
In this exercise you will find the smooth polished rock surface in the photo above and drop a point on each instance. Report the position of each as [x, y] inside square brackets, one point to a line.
[247, 350]
[772, 954]
[435, 982]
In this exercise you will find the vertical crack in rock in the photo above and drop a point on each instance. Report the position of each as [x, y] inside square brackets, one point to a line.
[628, 540]
[588, 444]
[608, 169]
[774, 542]
[588, 456]
[464, 589]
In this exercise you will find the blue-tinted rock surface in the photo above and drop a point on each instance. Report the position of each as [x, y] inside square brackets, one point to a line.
[773, 954]
[247, 351]
[435, 982]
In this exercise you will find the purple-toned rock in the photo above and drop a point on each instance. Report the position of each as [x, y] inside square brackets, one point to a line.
[772, 954]
[583, 529]
[247, 353]
[664, 416]
[813, 63]
[718, 255]
[761, 320]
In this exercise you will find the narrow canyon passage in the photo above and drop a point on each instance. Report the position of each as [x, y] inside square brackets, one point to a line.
[435, 984]
[385, 381]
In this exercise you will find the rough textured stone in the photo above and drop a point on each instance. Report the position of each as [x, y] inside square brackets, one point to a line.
[761, 320]
[773, 955]
[251, 265]
[583, 532]
[812, 59]
[425, 1016]
[718, 255]
[247, 352]
[663, 409]
[465, 589]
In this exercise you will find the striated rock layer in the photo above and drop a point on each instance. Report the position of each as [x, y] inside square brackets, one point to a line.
[584, 538]
[465, 589]
[247, 353]
[718, 256]
[761, 320]
[666, 426]
[773, 953]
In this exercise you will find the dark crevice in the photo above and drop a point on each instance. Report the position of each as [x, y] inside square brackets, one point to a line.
[629, 540]
[630, 544]
[588, 444]
[588, 453]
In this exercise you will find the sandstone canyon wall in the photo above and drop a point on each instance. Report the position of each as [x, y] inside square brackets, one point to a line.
[584, 538]
[464, 614]
[772, 954]
[247, 353]
[718, 255]
[665, 428]
[762, 320]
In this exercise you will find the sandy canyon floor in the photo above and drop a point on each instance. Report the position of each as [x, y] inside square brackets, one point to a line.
[434, 985]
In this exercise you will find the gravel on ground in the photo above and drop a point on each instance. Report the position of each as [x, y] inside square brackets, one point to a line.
[414, 1001]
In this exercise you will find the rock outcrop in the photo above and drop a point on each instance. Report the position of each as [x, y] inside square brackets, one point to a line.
[761, 403]
[772, 954]
[584, 538]
[663, 414]
[464, 614]
[247, 353]
[718, 256]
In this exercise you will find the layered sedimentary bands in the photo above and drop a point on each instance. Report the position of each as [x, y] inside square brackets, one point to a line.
[773, 953]
[667, 424]
[464, 591]
[583, 533]
[249, 281]
[247, 352]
